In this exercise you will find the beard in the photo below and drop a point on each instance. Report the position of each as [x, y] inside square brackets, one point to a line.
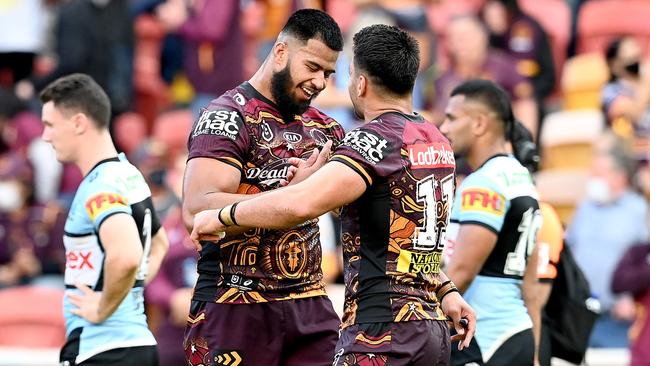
[281, 86]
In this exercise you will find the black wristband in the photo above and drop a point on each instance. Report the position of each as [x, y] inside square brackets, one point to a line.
[447, 293]
[232, 213]
[219, 217]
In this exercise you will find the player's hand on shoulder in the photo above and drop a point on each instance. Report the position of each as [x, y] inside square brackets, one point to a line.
[207, 227]
[301, 169]
[462, 316]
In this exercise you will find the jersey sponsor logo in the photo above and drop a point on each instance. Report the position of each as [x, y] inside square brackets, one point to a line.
[267, 134]
[483, 200]
[437, 155]
[78, 259]
[240, 282]
[292, 137]
[222, 123]
[269, 175]
[103, 202]
[411, 262]
[239, 99]
[368, 144]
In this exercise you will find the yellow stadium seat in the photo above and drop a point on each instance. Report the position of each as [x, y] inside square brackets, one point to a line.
[583, 78]
[562, 189]
[567, 138]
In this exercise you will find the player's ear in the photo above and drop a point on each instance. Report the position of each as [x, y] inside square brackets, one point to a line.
[280, 53]
[481, 123]
[80, 123]
[362, 85]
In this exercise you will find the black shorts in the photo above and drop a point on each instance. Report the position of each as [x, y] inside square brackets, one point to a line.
[129, 356]
[518, 350]
[414, 343]
[279, 333]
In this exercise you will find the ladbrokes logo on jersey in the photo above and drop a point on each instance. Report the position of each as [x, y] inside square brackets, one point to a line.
[369, 145]
[438, 155]
[222, 122]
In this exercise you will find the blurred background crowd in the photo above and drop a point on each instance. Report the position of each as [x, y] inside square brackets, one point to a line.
[578, 72]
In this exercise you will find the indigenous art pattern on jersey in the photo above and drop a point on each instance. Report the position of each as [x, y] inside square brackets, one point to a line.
[244, 129]
[392, 234]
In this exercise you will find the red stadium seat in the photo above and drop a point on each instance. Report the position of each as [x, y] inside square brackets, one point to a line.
[151, 92]
[172, 129]
[130, 131]
[555, 17]
[600, 21]
[31, 317]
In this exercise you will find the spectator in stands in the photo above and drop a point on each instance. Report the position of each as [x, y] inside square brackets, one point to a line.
[632, 275]
[626, 97]
[22, 32]
[20, 132]
[411, 16]
[472, 58]
[213, 45]
[30, 234]
[521, 37]
[93, 37]
[611, 219]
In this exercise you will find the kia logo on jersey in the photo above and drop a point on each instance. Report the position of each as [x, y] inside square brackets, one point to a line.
[292, 137]
[437, 155]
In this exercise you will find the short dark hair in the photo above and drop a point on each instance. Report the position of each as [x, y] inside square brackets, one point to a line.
[306, 24]
[491, 96]
[79, 92]
[389, 55]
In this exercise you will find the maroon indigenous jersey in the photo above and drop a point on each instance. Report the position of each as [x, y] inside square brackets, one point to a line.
[244, 129]
[392, 234]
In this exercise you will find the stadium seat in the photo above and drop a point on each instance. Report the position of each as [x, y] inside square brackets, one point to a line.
[562, 189]
[130, 131]
[583, 78]
[151, 92]
[31, 317]
[555, 17]
[567, 138]
[343, 11]
[172, 129]
[601, 21]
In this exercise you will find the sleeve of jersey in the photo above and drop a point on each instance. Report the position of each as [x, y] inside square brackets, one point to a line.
[105, 201]
[219, 133]
[369, 151]
[479, 202]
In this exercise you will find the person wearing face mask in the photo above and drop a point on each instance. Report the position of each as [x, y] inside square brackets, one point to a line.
[610, 219]
[626, 97]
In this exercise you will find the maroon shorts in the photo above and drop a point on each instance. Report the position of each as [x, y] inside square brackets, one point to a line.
[283, 333]
[414, 343]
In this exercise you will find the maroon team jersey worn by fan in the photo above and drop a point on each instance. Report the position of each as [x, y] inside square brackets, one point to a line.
[244, 129]
[392, 234]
